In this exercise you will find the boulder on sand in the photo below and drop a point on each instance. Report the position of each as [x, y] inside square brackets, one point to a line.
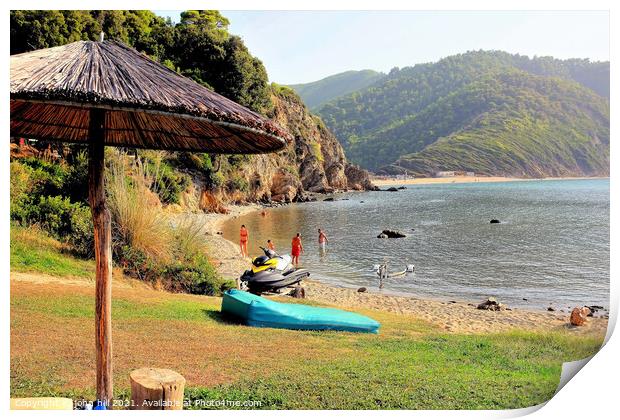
[298, 292]
[362, 290]
[579, 316]
[388, 233]
[491, 304]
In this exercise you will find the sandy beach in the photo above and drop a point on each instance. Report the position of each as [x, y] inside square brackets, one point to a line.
[458, 180]
[453, 316]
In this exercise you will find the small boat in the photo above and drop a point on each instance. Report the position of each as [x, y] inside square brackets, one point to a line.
[257, 311]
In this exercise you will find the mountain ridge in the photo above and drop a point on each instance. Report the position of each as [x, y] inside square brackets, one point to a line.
[314, 94]
[405, 112]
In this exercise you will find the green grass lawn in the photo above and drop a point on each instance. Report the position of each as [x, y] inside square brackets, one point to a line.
[409, 364]
[33, 250]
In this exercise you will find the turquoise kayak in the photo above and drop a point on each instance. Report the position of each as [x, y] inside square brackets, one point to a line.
[257, 311]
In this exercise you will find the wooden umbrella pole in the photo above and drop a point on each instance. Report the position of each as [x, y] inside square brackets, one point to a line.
[103, 255]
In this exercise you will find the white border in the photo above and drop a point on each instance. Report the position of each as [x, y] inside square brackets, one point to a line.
[591, 394]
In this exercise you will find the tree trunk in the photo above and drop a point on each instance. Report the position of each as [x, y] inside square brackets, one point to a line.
[156, 389]
[103, 255]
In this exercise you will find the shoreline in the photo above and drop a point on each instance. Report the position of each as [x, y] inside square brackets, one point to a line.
[467, 180]
[452, 316]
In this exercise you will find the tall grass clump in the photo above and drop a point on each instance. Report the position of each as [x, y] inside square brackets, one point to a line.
[137, 222]
[147, 243]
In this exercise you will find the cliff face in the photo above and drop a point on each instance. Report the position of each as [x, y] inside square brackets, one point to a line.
[313, 162]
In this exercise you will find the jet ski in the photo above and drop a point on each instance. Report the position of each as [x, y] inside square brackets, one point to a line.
[272, 272]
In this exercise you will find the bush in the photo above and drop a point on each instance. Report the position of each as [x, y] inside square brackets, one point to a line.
[76, 181]
[215, 179]
[81, 238]
[48, 178]
[20, 180]
[67, 221]
[197, 277]
[238, 183]
[31, 179]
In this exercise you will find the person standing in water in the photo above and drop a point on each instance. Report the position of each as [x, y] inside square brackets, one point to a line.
[243, 241]
[297, 248]
[322, 243]
[270, 245]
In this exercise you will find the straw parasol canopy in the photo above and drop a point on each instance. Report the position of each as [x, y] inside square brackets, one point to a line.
[105, 93]
[147, 105]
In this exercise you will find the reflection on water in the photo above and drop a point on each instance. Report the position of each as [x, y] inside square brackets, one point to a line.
[552, 246]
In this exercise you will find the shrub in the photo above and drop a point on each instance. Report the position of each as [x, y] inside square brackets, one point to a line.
[20, 180]
[76, 181]
[238, 183]
[48, 178]
[316, 151]
[31, 179]
[82, 238]
[53, 214]
[198, 277]
[63, 219]
[215, 179]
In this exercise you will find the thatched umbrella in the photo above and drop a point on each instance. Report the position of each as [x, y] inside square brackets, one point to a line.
[105, 93]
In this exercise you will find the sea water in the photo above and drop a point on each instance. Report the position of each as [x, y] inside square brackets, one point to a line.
[550, 249]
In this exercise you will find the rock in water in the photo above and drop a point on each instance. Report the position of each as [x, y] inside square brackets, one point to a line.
[392, 234]
[491, 304]
[494, 221]
[329, 199]
[392, 189]
[579, 316]
[382, 236]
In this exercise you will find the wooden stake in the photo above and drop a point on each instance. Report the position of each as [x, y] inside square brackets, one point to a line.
[103, 255]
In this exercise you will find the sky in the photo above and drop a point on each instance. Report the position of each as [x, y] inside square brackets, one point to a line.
[304, 46]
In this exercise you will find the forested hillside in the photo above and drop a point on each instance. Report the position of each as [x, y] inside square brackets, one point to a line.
[413, 108]
[315, 94]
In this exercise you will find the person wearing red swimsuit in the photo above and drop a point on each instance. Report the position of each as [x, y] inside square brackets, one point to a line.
[243, 241]
[297, 248]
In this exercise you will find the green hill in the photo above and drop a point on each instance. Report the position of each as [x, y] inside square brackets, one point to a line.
[315, 94]
[488, 112]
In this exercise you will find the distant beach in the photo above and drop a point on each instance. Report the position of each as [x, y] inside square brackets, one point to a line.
[462, 179]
